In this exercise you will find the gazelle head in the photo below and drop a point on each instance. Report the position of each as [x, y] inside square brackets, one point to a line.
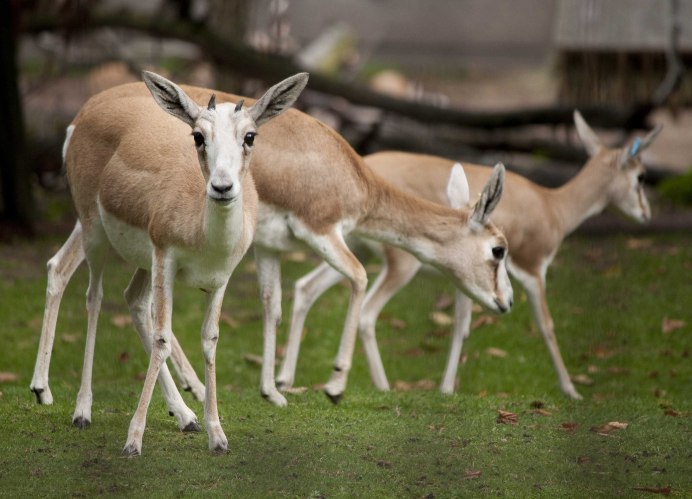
[224, 134]
[626, 189]
[476, 258]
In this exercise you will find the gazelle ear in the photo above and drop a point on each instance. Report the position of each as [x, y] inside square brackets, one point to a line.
[457, 188]
[638, 146]
[171, 97]
[587, 136]
[278, 98]
[490, 197]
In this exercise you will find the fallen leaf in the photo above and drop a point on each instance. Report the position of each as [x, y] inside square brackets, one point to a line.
[384, 464]
[583, 460]
[476, 308]
[582, 379]
[397, 323]
[8, 377]
[636, 243]
[423, 384]
[251, 358]
[671, 412]
[444, 301]
[602, 352]
[441, 318]
[541, 412]
[470, 474]
[296, 256]
[670, 325]
[537, 404]
[506, 417]
[658, 393]
[483, 320]
[618, 370]
[593, 369]
[121, 320]
[69, 338]
[568, 426]
[296, 390]
[496, 353]
[609, 427]
[123, 357]
[663, 490]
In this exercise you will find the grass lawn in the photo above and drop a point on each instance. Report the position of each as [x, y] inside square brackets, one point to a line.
[611, 298]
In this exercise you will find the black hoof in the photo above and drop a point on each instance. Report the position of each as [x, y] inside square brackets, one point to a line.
[187, 388]
[220, 449]
[131, 451]
[81, 422]
[335, 399]
[192, 427]
[170, 413]
[265, 396]
[38, 392]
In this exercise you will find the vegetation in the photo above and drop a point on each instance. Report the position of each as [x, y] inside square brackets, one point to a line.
[622, 314]
[678, 188]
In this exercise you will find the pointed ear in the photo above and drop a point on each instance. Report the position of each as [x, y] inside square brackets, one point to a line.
[490, 197]
[171, 98]
[278, 98]
[638, 146]
[587, 136]
[457, 188]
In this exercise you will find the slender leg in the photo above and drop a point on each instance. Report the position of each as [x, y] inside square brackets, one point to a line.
[307, 289]
[60, 270]
[162, 275]
[535, 288]
[138, 297]
[186, 373]
[460, 331]
[96, 257]
[210, 336]
[399, 269]
[269, 278]
[336, 253]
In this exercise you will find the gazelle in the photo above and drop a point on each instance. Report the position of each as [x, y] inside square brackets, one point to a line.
[535, 220]
[314, 188]
[172, 203]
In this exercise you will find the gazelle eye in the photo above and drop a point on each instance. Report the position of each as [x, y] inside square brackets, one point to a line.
[249, 138]
[199, 139]
[640, 179]
[499, 252]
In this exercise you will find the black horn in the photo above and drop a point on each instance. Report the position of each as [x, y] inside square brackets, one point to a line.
[212, 102]
[239, 106]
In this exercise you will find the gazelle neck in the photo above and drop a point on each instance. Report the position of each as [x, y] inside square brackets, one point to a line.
[408, 222]
[586, 194]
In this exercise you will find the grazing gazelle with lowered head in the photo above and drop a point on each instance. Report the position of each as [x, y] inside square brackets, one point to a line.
[314, 189]
[535, 220]
[173, 203]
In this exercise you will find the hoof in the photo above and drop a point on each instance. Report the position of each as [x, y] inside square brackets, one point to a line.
[192, 427]
[81, 422]
[131, 450]
[335, 399]
[170, 413]
[280, 385]
[221, 448]
[187, 388]
[38, 392]
[43, 396]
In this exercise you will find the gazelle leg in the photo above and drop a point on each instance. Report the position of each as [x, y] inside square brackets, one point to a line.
[210, 335]
[399, 269]
[138, 297]
[186, 373]
[162, 275]
[269, 279]
[96, 259]
[460, 331]
[337, 254]
[535, 288]
[61, 267]
[307, 289]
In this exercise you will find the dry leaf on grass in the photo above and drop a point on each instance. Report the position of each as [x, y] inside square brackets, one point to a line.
[636, 243]
[121, 320]
[583, 460]
[496, 353]
[470, 474]
[582, 379]
[295, 256]
[8, 377]
[423, 384]
[251, 358]
[569, 426]
[384, 464]
[296, 390]
[666, 491]
[228, 320]
[397, 323]
[541, 412]
[444, 301]
[483, 320]
[608, 428]
[670, 325]
[441, 318]
[69, 337]
[506, 417]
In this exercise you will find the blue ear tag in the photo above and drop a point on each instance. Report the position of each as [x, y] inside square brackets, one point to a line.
[635, 147]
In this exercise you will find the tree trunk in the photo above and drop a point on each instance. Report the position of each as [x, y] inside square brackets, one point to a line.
[228, 20]
[15, 174]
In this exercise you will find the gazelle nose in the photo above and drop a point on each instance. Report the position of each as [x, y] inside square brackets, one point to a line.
[222, 189]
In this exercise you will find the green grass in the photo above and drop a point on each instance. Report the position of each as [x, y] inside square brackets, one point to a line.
[608, 297]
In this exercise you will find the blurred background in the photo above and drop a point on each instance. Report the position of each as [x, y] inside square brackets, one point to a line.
[473, 80]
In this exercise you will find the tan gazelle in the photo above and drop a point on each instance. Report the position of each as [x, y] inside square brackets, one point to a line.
[314, 189]
[173, 196]
[535, 220]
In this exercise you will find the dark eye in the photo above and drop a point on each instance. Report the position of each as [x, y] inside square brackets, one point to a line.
[249, 139]
[640, 179]
[499, 252]
[199, 139]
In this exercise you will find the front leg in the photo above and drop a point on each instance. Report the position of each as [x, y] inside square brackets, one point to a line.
[269, 279]
[210, 336]
[162, 275]
[460, 331]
